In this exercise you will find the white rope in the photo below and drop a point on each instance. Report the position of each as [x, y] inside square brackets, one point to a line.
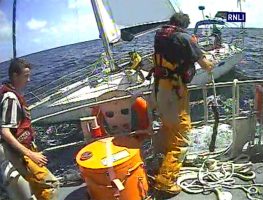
[214, 175]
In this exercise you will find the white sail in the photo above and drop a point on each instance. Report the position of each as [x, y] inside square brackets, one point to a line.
[129, 13]
[119, 14]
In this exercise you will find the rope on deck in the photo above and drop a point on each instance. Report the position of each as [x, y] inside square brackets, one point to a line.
[213, 176]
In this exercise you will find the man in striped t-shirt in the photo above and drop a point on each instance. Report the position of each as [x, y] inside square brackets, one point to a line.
[11, 112]
[17, 134]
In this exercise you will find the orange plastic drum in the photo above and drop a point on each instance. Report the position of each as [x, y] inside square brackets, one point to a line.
[113, 169]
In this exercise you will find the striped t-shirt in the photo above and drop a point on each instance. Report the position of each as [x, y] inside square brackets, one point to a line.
[10, 111]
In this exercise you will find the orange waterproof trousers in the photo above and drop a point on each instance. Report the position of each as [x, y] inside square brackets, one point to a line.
[172, 139]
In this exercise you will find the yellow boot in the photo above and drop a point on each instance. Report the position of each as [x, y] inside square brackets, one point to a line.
[170, 168]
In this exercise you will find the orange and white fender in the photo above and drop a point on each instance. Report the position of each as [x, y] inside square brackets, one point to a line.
[140, 107]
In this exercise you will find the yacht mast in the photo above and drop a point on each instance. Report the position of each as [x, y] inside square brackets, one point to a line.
[14, 29]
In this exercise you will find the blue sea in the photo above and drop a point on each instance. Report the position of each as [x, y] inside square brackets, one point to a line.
[50, 65]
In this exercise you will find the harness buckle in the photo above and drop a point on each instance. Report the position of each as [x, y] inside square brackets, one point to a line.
[161, 72]
[166, 73]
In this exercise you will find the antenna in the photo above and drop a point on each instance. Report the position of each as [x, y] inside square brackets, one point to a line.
[202, 8]
[239, 3]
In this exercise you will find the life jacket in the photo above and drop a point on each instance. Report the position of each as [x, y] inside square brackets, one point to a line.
[169, 45]
[24, 133]
[135, 60]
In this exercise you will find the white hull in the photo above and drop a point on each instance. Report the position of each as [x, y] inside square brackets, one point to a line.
[69, 110]
[223, 67]
[72, 106]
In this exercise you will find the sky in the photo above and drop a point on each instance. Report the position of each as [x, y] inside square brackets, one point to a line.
[45, 24]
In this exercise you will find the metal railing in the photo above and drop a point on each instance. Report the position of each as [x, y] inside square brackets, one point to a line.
[235, 107]
[85, 73]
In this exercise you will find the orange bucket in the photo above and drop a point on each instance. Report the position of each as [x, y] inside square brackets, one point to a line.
[113, 169]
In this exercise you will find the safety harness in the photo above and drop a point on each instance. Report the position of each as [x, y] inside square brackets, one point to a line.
[24, 133]
[170, 46]
[160, 72]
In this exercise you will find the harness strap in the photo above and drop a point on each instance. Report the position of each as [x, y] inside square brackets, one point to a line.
[157, 79]
[160, 72]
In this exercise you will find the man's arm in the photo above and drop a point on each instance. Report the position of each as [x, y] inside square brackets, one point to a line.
[197, 55]
[37, 157]
[206, 64]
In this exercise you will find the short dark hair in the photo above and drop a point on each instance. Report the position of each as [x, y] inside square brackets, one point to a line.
[17, 65]
[180, 19]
